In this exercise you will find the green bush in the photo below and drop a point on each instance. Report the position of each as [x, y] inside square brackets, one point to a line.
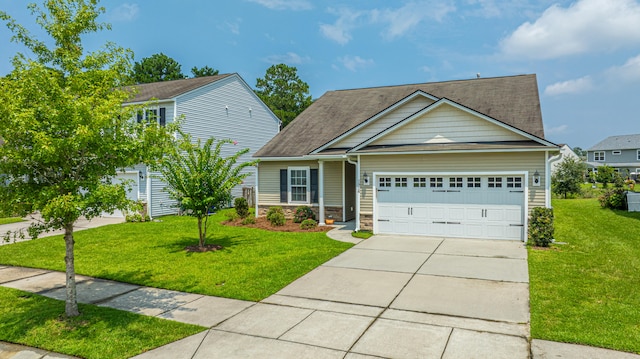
[231, 215]
[241, 206]
[302, 213]
[308, 224]
[541, 226]
[275, 216]
[136, 217]
[614, 198]
[249, 220]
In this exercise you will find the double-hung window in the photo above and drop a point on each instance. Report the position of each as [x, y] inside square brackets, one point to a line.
[598, 156]
[299, 184]
[638, 155]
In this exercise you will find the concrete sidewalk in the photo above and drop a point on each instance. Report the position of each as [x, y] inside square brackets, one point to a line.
[387, 297]
[81, 224]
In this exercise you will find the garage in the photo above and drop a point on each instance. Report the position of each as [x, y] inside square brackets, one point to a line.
[132, 190]
[450, 205]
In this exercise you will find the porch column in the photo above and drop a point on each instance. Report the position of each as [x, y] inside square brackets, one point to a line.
[321, 193]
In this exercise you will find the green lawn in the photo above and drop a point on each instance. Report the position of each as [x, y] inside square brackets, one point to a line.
[7, 220]
[253, 264]
[588, 290]
[34, 320]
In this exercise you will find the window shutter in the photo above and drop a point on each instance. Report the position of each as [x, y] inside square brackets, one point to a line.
[139, 116]
[313, 173]
[283, 186]
[163, 116]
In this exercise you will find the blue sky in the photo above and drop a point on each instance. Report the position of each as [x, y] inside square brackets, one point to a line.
[586, 53]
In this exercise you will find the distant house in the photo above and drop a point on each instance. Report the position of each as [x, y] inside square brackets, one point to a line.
[449, 159]
[620, 152]
[222, 106]
[565, 152]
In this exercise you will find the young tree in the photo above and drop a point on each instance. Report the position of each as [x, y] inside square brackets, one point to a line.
[200, 178]
[568, 177]
[158, 67]
[605, 175]
[283, 91]
[64, 129]
[203, 71]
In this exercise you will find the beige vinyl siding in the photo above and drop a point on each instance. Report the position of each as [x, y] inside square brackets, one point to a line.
[333, 184]
[269, 179]
[447, 124]
[456, 162]
[384, 122]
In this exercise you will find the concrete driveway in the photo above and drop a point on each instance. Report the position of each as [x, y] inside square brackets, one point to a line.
[390, 297]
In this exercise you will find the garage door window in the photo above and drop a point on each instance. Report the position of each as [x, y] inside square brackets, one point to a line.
[401, 181]
[495, 182]
[384, 182]
[419, 182]
[455, 182]
[474, 182]
[514, 182]
[435, 182]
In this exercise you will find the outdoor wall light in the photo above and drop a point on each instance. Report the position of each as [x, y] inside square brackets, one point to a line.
[536, 179]
[141, 175]
[365, 178]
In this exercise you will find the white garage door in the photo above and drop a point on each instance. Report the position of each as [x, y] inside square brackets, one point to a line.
[451, 206]
[132, 194]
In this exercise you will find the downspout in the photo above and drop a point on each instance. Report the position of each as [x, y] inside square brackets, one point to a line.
[321, 193]
[149, 192]
[256, 191]
[357, 164]
[547, 179]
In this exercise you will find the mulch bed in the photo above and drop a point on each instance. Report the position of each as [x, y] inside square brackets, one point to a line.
[289, 226]
[206, 248]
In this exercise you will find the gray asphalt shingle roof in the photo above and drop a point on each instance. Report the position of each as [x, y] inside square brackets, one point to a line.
[622, 142]
[165, 90]
[513, 100]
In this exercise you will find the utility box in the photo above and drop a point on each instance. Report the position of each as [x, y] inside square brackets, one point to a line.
[633, 201]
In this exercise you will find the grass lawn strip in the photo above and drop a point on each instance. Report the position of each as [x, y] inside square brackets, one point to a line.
[7, 220]
[252, 265]
[98, 333]
[588, 291]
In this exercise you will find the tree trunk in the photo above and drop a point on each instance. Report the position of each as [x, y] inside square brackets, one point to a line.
[71, 304]
[201, 243]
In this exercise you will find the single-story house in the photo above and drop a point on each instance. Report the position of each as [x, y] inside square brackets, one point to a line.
[450, 159]
[222, 106]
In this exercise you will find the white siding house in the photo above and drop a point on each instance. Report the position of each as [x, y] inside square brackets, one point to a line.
[221, 106]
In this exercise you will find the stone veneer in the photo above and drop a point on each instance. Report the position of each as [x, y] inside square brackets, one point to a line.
[289, 210]
[366, 222]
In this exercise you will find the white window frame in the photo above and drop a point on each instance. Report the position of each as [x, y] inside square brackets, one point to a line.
[638, 155]
[474, 182]
[599, 156]
[384, 182]
[616, 152]
[420, 182]
[308, 184]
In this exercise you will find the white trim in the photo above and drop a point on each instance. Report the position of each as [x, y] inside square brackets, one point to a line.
[344, 194]
[616, 152]
[320, 192]
[375, 117]
[437, 104]
[256, 191]
[638, 155]
[524, 174]
[308, 185]
[547, 181]
[149, 193]
[541, 149]
[604, 157]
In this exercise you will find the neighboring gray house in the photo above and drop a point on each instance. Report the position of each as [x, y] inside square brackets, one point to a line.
[620, 152]
[447, 159]
[222, 106]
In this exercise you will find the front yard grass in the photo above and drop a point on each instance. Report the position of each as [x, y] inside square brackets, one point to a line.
[588, 290]
[252, 265]
[99, 333]
[7, 220]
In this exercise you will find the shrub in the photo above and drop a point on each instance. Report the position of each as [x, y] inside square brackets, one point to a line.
[275, 216]
[541, 226]
[308, 224]
[302, 213]
[249, 220]
[231, 216]
[136, 217]
[614, 198]
[241, 206]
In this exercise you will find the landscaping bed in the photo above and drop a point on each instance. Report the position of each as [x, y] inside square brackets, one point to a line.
[289, 225]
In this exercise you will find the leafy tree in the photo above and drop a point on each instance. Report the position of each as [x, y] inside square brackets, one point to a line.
[284, 92]
[64, 128]
[568, 177]
[158, 67]
[580, 152]
[203, 71]
[200, 178]
[605, 175]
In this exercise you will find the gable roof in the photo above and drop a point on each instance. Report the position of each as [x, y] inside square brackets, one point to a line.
[622, 142]
[512, 100]
[165, 90]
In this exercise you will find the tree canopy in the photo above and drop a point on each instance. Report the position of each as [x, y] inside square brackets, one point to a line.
[568, 177]
[284, 92]
[157, 67]
[203, 71]
[65, 132]
[200, 178]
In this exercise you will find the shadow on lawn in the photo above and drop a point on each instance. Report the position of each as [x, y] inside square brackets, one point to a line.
[226, 241]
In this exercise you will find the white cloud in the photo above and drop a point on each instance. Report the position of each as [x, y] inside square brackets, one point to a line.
[580, 85]
[629, 72]
[396, 22]
[125, 12]
[232, 26]
[354, 63]
[296, 5]
[585, 26]
[555, 130]
[289, 58]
